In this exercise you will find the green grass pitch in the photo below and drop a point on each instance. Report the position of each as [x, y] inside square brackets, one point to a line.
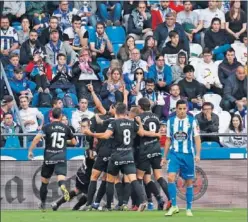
[200, 215]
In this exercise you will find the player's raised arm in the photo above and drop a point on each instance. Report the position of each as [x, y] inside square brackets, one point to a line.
[106, 135]
[34, 143]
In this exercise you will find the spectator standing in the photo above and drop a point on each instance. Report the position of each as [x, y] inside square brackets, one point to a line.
[124, 53]
[140, 22]
[208, 122]
[159, 13]
[177, 70]
[228, 66]
[64, 13]
[23, 34]
[45, 34]
[161, 74]
[171, 100]
[172, 49]
[56, 46]
[241, 50]
[191, 89]
[190, 22]
[235, 90]
[131, 65]
[216, 39]
[236, 21]
[235, 127]
[9, 40]
[29, 47]
[87, 12]
[14, 10]
[100, 45]
[206, 73]
[76, 35]
[161, 33]
[8, 125]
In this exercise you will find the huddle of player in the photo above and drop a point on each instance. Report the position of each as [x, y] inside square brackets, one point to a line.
[127, 143]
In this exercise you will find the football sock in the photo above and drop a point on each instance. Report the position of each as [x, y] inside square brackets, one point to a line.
[162, 182]
[62, 199]
[91, 192]
[139, 190]
[173, 193]
[43, 192]
[80, 203]
[61, 182]
[148, 193]
[133, 197]
[101, 191]
[189, 197]
[127, 192]
[153, 189]
[119, 191]
[109, 193]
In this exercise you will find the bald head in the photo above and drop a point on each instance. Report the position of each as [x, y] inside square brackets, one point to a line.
[240, 73]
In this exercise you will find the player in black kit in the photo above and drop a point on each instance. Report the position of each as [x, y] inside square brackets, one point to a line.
[123, 131]
[83, 173]
[149, 147]
[57, 135]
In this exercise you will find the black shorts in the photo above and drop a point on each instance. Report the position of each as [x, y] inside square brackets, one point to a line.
[101, 164]
[125, 169]
[47, 170]
[148, 163]
[81, 183]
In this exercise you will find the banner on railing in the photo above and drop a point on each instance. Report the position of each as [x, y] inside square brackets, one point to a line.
[220, 183]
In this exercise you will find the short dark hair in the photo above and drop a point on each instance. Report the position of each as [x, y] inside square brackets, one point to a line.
[181, 102]
[174, 84]
[7, 113]
[121, 109]
[188, 68]
[150, 81]
[84, 119]
[186, 2]
[173, 34]
[158, 56]
[207, 50]
[54, 30]
[18, 69]
[33, 30]
[12, 55]
[60, 55]
[5, 17]
[230, 50]
[53, 17]
[100, 23]
[56, 113]
[144, 104]
[75, 18]
[208, 104]
[24, 17]
[215, 19]
[55, 101]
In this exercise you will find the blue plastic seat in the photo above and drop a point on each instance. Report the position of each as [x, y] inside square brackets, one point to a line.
[91, 30]
[116, 48]
[12, 142]
[116, 34]
[103, 64]
[210, 145]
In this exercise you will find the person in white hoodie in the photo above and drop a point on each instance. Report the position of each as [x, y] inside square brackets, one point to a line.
[207, 73]
[240, 49]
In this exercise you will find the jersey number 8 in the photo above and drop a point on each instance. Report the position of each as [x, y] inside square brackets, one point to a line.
[58, 140]
[126, 136]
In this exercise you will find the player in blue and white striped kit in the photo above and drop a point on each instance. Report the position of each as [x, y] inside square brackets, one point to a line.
[182, 139]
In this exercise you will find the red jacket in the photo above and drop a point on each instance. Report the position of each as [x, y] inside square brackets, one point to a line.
[176, 8]
[48, 69]
[156, 18]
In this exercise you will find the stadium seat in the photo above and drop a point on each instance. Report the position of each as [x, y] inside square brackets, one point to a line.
[215, 100]
[224, 121]
[195, 112]
[116, 34]
[139, 44]
[91, 30]
[195, 50]
[116, 48]
[103, 64]
[12, 142]
[210, 145]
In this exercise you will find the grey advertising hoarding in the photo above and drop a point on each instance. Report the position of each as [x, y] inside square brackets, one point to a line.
[218, 184]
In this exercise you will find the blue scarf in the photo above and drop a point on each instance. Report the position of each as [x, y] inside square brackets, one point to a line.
[56, 49]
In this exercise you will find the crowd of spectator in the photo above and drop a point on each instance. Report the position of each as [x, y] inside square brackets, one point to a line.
[53, 55]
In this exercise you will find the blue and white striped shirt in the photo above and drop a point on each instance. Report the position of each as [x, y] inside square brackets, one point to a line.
[181, 133]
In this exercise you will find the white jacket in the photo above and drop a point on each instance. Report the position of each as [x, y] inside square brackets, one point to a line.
[14, 7]
[240, 52]
[77, 117]
[207, 73]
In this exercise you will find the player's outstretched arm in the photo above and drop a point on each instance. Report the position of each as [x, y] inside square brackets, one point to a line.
[106, 135]
[152, 134]
[34, 143]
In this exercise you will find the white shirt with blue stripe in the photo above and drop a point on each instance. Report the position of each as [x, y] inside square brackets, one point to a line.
[181, 133]
[7, 38]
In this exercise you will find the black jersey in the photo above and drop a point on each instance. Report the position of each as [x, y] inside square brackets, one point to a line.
[103, 147]
[124, 132]
[149, 145]
[56, 136]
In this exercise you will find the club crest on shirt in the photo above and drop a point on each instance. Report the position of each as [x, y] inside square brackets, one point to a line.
[180, 136]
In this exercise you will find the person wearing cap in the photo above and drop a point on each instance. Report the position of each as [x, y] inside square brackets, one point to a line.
[20, 85]
[6, 105]
[8, 125]
[29, 47]
[161, 33]
[56, 46]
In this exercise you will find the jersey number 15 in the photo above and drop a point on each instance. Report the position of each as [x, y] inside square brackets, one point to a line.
[58, 140]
